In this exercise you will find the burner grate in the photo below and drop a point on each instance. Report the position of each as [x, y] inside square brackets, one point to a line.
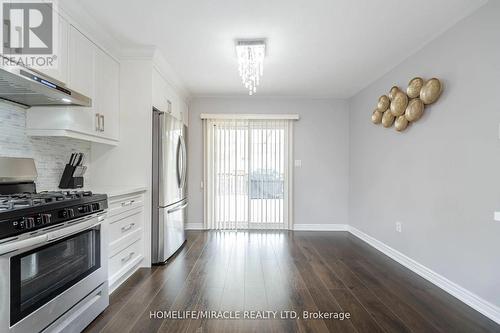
[23, 200]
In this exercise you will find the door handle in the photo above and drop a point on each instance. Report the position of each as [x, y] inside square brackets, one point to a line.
[127, 203]
[169, 106]
[170, 211]
[161, 170]
[97, 122]
[65, 231]
[102, 123]
[128, 227]
[179, 171]
[127, 258]
[184, 162]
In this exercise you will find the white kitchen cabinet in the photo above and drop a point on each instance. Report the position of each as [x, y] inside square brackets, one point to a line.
[95, 74]
[161, 98]
[164, 97]
[60, 69]
[107, 94]
[81, 63]
[126, 228]
[184, 113]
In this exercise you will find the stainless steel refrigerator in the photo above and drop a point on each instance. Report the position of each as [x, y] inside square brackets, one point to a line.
[169, 192]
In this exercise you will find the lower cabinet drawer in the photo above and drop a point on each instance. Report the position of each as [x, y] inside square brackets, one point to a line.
[125, 257]
[122, 204]
[126, 225]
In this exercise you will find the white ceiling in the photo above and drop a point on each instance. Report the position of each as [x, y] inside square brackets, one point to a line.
[320, 48]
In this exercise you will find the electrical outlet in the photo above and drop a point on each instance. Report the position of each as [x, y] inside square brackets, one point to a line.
[399, 226]
[496, 216]
[298, 163]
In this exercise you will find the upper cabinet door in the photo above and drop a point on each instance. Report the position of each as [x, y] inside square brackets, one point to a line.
[164, 96]
[81, 63]
[60, 70]
[160, 97]
[107, 93]
[184, 113]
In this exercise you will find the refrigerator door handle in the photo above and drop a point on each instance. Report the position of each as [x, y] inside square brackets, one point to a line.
[161, 176]
[184, 162]
[178, 162]
[173, 210]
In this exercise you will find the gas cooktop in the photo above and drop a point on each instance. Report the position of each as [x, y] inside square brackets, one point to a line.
[26, 212]
[23, 200]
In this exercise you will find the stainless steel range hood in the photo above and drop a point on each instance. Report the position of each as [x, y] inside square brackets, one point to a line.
[27, 87]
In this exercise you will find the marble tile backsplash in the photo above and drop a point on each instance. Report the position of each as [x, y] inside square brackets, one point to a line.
[50, 153]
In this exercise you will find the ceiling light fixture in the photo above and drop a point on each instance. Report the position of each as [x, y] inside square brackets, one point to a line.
[251, 55]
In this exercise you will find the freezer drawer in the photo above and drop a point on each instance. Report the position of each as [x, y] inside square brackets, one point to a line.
[171, 234]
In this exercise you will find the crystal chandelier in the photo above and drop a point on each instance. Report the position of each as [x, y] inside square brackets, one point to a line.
[251, 62]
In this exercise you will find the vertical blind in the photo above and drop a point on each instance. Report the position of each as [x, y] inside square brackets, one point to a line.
[247, 173]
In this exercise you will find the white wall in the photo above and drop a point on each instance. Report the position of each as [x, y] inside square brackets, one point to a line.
[440, 178]
[320, 140]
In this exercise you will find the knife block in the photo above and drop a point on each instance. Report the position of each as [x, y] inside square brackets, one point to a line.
[67, 179]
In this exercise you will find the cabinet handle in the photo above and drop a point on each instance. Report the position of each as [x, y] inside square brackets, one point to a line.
[127, 258]
[127, 203]
[97, 122]
[128, 227]
[169, 106]
[102, 123]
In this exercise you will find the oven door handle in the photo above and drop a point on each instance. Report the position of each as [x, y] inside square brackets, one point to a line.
[74, 229]
[15, 245]
[20, 244]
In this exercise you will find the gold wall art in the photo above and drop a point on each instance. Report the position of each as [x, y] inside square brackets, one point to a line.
[430, 91]
[387, 119]
[393, 92]
[414, 110]
[414, 87]
[401, 123]
[377, 117]
[383, 103]
[399, 103]
[404, 108]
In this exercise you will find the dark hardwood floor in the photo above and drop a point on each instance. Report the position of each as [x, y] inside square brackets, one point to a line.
[285, 271]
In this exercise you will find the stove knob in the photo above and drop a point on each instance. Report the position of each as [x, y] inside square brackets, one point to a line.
[65, 213]
[19, 224]
[38, 220]
[85, 209]
[46, 218]
[29, 222]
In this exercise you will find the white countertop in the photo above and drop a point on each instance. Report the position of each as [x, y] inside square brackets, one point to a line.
[114, 191]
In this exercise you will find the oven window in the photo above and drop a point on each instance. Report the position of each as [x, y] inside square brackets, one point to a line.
[39, 275]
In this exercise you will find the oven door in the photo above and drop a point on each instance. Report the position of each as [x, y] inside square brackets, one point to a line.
[48, 278]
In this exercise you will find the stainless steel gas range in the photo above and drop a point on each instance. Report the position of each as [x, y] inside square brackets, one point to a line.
[53, 261]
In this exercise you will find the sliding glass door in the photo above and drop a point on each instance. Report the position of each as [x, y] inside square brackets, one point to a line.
[247, 173]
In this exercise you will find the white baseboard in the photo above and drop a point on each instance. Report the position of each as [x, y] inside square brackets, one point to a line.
[320, 227]
[486, 308]
[194, 226]
[296, 227]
